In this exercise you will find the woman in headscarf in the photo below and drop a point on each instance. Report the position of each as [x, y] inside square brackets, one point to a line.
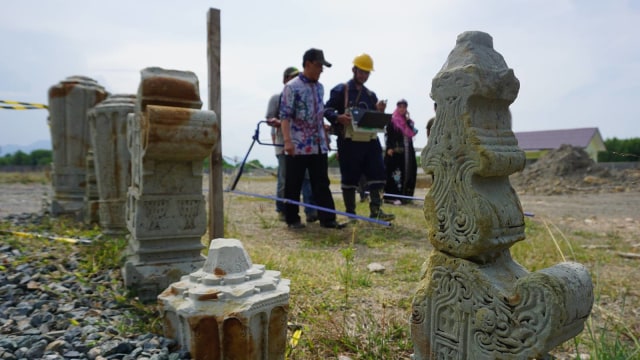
[400, 156]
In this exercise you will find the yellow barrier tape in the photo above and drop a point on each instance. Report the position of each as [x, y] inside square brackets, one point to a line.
[295, 338]
[297, 334]
[18, 105]
[36, 235]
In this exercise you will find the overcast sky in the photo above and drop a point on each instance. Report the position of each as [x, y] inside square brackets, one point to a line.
[577, 61]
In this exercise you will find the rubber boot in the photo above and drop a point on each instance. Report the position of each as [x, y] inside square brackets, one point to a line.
[374, 206]
[349, 197]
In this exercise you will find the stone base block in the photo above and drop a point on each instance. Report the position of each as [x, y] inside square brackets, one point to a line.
[464, 310]
[150, 279]
[230, 309]
[73, 207]
[112, 217]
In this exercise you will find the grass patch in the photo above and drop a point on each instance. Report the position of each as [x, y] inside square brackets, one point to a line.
[35, 177]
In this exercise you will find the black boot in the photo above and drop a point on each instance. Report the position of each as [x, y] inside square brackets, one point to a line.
[374, 206]
[349, 197]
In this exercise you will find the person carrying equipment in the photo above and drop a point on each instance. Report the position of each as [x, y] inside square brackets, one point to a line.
[359, 153]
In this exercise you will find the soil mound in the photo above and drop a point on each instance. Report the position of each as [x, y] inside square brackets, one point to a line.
[569, 169]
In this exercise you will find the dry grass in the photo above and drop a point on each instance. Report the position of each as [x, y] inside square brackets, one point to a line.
[24, 177]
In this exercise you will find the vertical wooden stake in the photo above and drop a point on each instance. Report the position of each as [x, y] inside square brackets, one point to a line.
[216, 209]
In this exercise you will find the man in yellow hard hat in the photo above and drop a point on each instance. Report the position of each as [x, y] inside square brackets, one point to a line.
[358, 153]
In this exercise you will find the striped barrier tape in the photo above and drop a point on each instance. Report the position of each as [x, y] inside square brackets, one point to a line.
[48, 237]
[18, 105]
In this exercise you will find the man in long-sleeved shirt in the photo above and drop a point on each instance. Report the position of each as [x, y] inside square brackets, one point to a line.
[273, 113]
[305, 140]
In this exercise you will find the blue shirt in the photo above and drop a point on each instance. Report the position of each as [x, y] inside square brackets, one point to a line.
[301, 103]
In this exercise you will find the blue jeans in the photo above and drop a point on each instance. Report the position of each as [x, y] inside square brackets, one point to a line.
[307, 194]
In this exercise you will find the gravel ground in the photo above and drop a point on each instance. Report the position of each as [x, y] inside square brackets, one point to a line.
[48, 309]
[47, 312]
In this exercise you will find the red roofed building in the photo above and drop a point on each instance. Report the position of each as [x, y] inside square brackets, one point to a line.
[537, 143]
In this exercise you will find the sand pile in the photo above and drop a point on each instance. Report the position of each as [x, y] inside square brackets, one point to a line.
[568, 170]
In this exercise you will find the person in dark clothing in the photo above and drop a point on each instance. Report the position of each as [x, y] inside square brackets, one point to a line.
[359, 153]
[400, 156]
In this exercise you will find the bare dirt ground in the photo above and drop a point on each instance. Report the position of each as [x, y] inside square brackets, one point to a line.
[597, 213]
[603, 213]
[16, 198]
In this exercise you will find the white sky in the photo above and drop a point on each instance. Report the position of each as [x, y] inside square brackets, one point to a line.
[577, 61]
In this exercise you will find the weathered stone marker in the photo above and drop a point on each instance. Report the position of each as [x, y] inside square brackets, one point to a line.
[229, 309]
[69, 102]
[474, 301]
[108, 125]
[166, 217]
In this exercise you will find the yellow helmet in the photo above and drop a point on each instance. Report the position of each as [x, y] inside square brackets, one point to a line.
[363, 62]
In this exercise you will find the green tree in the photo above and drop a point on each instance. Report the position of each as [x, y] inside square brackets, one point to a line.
[255, 164]
[225, 164]
[6, 160]
[41, 157]
[620, 150]
[21, 158]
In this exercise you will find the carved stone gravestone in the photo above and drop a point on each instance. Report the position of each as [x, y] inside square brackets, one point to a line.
[69, 102]
[108, 125]
[229, 309]
[165, 212]
[474, 301]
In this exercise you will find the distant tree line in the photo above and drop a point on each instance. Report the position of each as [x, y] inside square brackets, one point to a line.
[20, 158]
[228, 166]
[619, 150]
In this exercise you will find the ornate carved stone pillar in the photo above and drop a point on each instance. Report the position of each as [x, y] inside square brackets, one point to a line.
[165, 212]
[69, 102]
[108, 124]
[474, 301]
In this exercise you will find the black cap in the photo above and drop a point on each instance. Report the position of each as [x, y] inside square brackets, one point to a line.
[402, 101]
[315, 55]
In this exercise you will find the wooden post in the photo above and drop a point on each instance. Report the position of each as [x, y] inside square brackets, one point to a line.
[216, 209]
